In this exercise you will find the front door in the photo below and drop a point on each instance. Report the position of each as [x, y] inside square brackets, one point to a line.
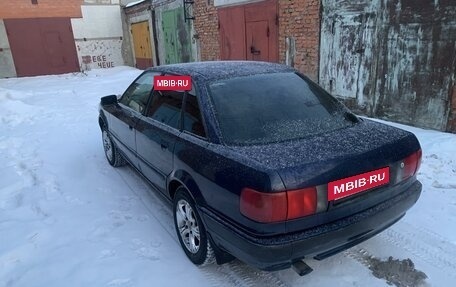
[142, 44]
[126, 114]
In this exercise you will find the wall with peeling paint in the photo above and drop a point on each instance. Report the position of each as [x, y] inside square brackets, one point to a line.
[394, 59]
[183, 34]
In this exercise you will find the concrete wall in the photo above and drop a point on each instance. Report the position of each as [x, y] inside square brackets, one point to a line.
[127, 46]
[7, 68]
[98, 36]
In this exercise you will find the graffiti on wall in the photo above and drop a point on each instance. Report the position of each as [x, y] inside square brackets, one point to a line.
[99, 54]
[101, 61]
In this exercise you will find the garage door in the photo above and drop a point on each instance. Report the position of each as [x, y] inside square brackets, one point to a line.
[246, 34]
[141, 43]
[42, 46]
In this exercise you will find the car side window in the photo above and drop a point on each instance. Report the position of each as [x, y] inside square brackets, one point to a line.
[193, 122]
[137, 95]
[166, 107]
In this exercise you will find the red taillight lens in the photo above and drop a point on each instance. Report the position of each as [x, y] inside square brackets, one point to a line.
[419, 155]
[411, 164]
[263, 207]
[273, 207]
[302, 202]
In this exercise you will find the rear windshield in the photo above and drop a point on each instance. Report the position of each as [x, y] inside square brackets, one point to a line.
[277, 107]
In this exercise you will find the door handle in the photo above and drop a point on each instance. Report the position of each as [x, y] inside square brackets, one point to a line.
[164, 145]
[254, 51]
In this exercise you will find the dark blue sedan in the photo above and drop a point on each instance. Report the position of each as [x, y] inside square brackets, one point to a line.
[261, 163]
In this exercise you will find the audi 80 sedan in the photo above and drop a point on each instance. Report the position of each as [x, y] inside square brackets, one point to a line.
[260, 163]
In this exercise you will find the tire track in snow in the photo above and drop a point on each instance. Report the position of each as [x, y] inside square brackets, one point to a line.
[234, 273]
[426, 245]
[251, 276]
[361, 255]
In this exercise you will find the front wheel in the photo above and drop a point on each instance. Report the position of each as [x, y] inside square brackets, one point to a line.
[112, 153]
[190, 229]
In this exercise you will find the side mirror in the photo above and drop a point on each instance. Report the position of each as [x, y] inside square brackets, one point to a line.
[109, 100]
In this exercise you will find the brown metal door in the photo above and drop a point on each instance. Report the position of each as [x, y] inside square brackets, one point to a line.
[42, 46]
[247, 34]
[257, 41]
[232, 33]
[142, 45]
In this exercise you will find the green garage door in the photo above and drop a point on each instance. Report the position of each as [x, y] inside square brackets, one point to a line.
[177, 37]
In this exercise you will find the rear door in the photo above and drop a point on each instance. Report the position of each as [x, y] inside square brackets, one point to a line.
[157, 132]
[125, 115]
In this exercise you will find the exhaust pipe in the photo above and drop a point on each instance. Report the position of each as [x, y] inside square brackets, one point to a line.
[301, 268]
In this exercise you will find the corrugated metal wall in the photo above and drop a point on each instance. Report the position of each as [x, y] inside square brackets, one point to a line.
[394, 59]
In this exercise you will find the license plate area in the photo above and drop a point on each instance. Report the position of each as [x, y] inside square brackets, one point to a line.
[348, 186]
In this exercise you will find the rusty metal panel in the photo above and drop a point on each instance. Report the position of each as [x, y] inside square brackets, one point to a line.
[42, 46]
[419, 56]
[142, 45]
[393, 59]
[347, 48]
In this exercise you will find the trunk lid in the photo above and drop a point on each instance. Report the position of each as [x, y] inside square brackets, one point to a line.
[323, 158]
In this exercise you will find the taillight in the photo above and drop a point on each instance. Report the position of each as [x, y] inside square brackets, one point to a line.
[263, 207]
[411, 164]
[280, 206]
[301, 202]
[419, 155]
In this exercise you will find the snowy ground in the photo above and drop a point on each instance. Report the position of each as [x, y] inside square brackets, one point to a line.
[68, 219]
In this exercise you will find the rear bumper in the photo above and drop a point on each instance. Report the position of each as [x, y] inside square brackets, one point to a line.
[278, 252]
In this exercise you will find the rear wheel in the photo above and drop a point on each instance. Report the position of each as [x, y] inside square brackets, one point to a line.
[190, 229]
[112, 153]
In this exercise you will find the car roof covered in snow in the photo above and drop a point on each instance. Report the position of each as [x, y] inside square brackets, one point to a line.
[217, 70]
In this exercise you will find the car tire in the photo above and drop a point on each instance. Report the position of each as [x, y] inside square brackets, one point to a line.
[190, 229]
[111, 152]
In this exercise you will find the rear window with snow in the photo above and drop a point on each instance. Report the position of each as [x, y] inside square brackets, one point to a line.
[277, 107]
